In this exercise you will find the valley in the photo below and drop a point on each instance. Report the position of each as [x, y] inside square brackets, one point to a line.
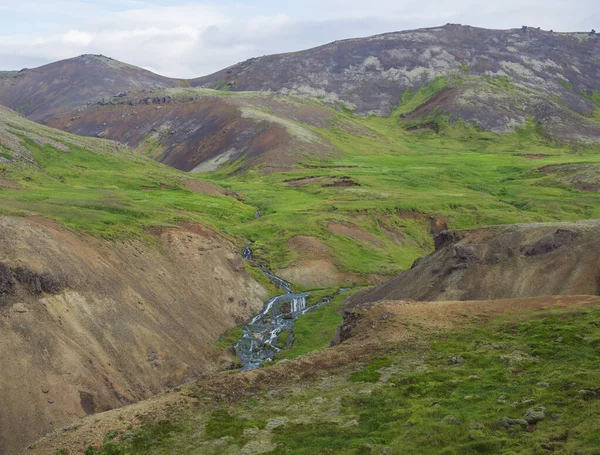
[368, 247]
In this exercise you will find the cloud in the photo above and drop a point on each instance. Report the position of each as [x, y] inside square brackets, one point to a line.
[196, 38]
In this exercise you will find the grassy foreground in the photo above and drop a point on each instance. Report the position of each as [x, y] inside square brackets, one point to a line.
[525, 384]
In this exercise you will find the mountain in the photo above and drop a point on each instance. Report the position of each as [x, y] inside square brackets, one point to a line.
[115, 279]
[43, 92]
[495, 80]
[498, 78]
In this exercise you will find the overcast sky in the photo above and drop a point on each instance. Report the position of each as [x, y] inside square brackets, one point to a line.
[193, 38]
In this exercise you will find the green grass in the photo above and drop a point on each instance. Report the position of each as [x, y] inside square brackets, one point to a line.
[104, 192]
[471, 177]
[427, 404]
[228, 339]
[566, 84]
[315, 330]
[467, 176]
[595, 96]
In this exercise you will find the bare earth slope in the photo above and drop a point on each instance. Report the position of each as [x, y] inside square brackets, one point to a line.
[97, 324]
[201, 130]
[511, 261]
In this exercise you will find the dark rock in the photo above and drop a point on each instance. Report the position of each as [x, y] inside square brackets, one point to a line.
[445, 238]
[508, 422]
[457, 360]
[548, 244]
[465, 253]
[533, 416]
[7, 280]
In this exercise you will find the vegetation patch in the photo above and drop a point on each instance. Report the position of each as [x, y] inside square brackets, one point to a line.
[519, 383]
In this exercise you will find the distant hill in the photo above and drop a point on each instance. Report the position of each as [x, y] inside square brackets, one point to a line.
[42, 92]
[495, 80]
[549, 76]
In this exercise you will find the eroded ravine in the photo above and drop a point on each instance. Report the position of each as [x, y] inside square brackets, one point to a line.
[264, 334]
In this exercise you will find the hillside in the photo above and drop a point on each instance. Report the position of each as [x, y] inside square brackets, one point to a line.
[503, 376]
[201, 130]
[68, 85]
[513, 261]
[551, 77]
[115, 279]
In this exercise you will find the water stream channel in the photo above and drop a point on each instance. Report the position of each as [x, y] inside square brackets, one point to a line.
[260, 341]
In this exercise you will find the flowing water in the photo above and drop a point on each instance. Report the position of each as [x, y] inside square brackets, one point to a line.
[261, 340]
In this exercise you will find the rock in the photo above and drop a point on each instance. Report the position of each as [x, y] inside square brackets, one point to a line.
[444, 238]
[457, 360]
[582, 338]
[101, 135]
[351, 424]
[501, 398]
[508, 422]
[465, 253]
[468, 397]
[587, 393]
[7, 280]
[558, 340]
[543, 384]
[276, 422]
[535, 415]
[451, 420]
[560, 238]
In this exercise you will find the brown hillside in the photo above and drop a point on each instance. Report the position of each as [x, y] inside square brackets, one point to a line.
[88, 325]
[499, 262]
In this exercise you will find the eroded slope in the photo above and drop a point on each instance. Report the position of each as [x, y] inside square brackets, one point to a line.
[501, 262]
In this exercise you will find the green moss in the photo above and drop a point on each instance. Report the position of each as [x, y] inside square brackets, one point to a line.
[566, 84]
[221, 423]
[228, 339]
[259, 276]
[370, 373]
[319, 295]
[595, 96]
[315, 330]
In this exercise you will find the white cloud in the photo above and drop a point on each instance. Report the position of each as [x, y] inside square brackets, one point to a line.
[196, 38]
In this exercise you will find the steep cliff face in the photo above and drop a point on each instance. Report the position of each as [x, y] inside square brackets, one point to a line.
[499, 262]
[87, 325]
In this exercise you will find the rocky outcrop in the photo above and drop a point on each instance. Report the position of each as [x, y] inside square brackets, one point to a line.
[87, 325]
[511, 261]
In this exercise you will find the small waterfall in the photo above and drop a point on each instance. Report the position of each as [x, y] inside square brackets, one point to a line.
[260, 341]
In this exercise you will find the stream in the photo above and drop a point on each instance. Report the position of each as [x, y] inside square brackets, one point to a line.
[260, 341]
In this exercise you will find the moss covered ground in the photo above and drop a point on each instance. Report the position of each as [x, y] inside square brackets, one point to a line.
[524, 384]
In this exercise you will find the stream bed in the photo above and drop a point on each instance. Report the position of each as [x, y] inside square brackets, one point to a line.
[261, 339]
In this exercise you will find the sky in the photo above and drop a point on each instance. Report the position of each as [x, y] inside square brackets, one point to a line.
[194, 38]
